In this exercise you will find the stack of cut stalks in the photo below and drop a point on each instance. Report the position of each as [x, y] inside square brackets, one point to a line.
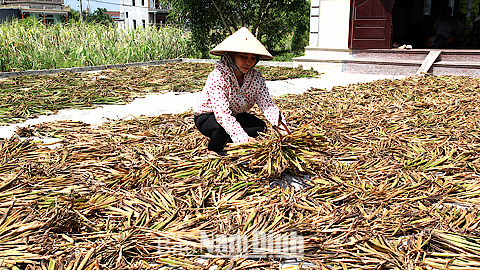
[27, 97]
[392, 184]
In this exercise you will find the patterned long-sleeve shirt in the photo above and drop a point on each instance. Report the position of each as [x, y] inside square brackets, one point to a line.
[223, 96]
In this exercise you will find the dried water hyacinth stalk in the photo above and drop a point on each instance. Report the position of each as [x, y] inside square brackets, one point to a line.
[273, 154]
[294, 153]
[215, 168]
[394, 185]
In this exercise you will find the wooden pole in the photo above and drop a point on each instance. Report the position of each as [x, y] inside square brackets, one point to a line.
[81, 12]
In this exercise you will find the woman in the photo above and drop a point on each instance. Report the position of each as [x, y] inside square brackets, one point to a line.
[231, 90]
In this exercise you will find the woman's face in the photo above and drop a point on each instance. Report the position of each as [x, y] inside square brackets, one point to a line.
[245, 61]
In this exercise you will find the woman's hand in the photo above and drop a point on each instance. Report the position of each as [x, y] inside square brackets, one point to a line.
[252, 140]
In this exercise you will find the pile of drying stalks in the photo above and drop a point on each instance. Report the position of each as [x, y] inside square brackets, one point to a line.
[27, 97]
[389, 173]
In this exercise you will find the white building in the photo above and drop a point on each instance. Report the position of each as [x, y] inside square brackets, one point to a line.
[143, 13]
[344, 33]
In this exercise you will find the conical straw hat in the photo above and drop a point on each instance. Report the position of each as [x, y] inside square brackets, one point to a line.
[242, 41]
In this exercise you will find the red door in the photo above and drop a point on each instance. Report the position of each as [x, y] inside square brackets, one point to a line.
[370, 24]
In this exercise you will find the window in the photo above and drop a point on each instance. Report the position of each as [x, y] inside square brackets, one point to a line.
[133, 2]
[143, 2]
[134, 24]
[126, 14]
[143, 21]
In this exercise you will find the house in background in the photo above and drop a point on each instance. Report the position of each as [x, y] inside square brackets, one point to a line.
[143, 13]
[49, 11]
[115, 15]
[366, 36]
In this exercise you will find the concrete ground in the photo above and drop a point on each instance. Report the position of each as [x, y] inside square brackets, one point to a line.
[155, 104]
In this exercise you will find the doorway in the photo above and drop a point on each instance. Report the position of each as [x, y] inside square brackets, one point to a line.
[370, 24]
[413, 21]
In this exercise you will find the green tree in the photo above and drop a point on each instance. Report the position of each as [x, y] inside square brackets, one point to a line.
[100, 16]
[270, 21]
[74, 15]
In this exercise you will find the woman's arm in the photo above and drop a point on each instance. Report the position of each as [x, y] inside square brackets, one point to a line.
[266, 104]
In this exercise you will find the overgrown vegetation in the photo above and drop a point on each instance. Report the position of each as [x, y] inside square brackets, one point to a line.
[99, 16]
[29, 45]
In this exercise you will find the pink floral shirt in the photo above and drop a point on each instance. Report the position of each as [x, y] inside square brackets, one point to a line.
[223, 96]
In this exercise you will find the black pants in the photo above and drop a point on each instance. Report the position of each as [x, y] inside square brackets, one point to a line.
[207, 124]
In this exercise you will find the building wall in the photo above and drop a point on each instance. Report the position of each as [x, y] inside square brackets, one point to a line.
[329, 30]
[329, 24]
[137, 13]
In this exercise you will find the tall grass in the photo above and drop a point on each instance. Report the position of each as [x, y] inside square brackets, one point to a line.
[29, 45]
